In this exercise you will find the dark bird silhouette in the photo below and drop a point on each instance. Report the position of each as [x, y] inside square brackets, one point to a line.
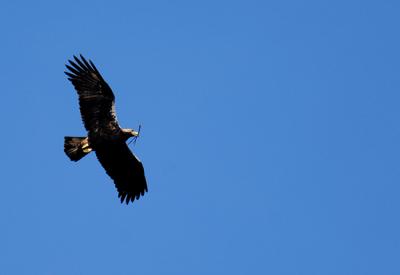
[105, 137]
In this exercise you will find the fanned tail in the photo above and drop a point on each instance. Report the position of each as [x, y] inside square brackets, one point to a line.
[76, 147]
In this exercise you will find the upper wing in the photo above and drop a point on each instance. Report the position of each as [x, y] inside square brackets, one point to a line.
[96, 99]
[124, 168]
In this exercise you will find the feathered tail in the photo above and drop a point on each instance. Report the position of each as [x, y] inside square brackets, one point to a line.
[76, 147]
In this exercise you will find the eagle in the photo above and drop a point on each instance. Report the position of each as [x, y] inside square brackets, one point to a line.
[104, 135]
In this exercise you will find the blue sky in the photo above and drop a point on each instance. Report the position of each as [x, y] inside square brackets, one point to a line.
[270, 138]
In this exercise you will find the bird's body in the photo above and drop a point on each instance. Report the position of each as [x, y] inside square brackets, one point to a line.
[105, 137]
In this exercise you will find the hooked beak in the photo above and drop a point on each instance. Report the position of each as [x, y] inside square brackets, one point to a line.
[135, 134]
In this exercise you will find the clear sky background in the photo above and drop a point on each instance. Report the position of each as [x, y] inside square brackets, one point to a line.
[270, 137]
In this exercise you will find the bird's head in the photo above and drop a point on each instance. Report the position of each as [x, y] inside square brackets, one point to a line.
[130, 133]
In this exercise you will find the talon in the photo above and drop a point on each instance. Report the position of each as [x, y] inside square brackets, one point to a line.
[85, 146]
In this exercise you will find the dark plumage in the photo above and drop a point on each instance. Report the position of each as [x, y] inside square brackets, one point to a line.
[105, 136]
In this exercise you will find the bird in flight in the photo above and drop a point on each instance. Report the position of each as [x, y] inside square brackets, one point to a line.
[104, 135]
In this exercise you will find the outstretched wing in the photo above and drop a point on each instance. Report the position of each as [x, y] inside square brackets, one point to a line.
[124, 168]
[96, 99]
